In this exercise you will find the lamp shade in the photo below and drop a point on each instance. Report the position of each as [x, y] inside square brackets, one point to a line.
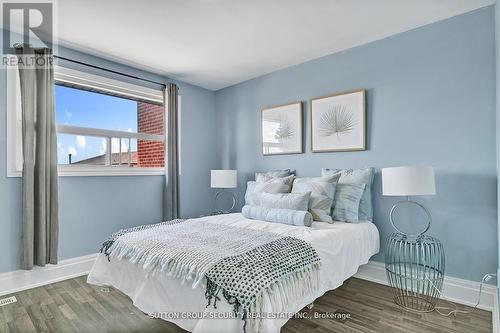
[223, 179]
[408, 180]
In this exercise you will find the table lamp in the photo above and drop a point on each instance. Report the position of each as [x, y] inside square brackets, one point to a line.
[223, 179]
[408, 181]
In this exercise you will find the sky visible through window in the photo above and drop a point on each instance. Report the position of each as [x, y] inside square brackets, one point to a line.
[88, 109]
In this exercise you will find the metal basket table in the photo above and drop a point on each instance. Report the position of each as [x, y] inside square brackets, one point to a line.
[415, 270]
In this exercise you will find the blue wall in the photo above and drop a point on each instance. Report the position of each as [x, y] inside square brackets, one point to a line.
[430, 100]
[93, 207]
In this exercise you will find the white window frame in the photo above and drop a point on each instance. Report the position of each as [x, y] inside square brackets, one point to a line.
[66, 75]
[14, 124]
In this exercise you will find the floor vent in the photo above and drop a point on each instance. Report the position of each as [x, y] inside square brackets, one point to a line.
[8, 300]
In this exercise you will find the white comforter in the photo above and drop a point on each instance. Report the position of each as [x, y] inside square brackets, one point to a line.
[342, 247]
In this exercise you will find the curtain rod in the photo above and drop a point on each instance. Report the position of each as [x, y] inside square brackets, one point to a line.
[109, 70]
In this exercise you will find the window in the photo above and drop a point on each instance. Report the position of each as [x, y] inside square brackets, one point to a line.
[270, 141]
[104, 126]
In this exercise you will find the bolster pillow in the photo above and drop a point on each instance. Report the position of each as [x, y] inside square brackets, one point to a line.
[276, 215]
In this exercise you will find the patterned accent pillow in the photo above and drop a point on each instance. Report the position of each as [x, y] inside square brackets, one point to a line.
[334, 178]
[322, 195]
[347, 200]
[294, 201]
[357, 176]
[253, 189]
[266, 176]
[288, 180]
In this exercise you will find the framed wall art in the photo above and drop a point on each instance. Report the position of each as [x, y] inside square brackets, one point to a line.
[282, 129]
[338, 122]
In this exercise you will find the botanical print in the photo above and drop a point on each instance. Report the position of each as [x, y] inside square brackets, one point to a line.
[282, 129]
[338, 122]
[285, 131]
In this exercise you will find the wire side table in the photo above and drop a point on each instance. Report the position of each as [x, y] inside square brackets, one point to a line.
[415, 270]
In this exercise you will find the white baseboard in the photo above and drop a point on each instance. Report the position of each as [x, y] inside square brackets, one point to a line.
[496, 309]
[11, 282]
[454, 289]
[495, 315]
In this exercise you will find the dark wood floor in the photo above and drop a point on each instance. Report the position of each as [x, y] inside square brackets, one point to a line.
[75, 306]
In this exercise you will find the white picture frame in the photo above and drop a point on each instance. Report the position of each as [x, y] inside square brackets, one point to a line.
[281, 129]
[338, 122]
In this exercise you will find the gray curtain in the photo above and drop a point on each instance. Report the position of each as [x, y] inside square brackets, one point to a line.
[171, 189]
[40, 227]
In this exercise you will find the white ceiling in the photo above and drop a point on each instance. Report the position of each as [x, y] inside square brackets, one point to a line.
[217, 43]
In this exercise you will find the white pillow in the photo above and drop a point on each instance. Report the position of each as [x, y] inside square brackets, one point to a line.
[264, 176]
[254, 188]
[294, 201]
[261, 178]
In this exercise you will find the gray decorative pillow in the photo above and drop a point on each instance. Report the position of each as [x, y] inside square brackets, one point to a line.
[295, 201]
[347, 199]
[322, 195]
[357, 176]
[254, 189]
[266, 176]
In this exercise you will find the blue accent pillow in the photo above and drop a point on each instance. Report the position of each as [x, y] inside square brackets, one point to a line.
[357, 176]
[285, 216]
[347, 202]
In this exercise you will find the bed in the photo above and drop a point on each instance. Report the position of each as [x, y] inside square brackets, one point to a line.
[342, 248]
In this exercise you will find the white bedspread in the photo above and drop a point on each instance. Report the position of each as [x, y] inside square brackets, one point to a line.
[342, 247]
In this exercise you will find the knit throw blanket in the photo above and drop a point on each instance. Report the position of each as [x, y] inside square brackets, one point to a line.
[247, 267]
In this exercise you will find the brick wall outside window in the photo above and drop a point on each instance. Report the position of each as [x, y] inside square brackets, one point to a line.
[150, 120]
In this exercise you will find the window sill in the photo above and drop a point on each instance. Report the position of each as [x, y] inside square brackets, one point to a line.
[93, 171]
